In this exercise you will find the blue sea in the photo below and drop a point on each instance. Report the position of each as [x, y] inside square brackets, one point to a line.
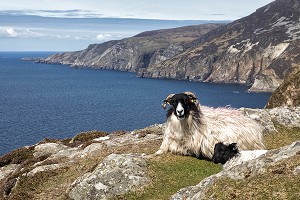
[40, 101]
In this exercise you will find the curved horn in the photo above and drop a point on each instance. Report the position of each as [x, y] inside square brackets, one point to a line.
[167, 100]
[193, 99]
[191, 94]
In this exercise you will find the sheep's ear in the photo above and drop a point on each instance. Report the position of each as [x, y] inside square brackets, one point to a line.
[234, 146]
[167, 101]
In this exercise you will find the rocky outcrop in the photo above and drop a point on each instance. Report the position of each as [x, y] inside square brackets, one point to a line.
[288, 93]
[247, 169]
[135, 53]
[285, 116]
[116, 175]
[258, 50]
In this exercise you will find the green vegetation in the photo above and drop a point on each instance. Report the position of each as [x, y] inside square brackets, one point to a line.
[17, 156]
[170, 173]
[86, 136]
[284, 136]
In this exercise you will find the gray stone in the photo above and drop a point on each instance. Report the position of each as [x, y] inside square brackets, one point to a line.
[116, 175]
[48, 148]
[6, 170]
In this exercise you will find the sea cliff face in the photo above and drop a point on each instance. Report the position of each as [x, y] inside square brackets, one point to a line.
[135, 53]
[258, 50]
[288, 93]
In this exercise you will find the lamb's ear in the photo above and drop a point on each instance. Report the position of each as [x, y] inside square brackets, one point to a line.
[234, 147]
[167, 100]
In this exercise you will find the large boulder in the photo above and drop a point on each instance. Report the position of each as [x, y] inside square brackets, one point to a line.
[116, 175]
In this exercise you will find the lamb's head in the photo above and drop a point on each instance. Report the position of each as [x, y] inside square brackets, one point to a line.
[222, 152]
[182, 104]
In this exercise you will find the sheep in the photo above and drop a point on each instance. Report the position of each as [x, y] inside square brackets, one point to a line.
[194, 131]
[230, 156]
[222, 152]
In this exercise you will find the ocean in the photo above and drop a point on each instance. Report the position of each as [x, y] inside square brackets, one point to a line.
[40, 101]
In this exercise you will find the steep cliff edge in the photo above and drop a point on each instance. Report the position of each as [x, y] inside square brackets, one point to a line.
[288, 93]
[134, 53]
[258, 50]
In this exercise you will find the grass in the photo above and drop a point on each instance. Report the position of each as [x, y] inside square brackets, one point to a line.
[284, 136]
[169, 173]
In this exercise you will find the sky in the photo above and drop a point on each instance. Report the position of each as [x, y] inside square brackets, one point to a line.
[68, 25]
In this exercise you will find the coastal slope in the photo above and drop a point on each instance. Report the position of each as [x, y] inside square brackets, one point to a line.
[134, 53]
[258, 50]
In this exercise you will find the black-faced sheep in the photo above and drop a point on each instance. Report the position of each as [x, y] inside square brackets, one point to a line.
[222, 152]
[231, 156]
[191, 130]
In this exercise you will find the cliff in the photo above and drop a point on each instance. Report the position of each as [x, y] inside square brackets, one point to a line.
[134, 53]
[288, 93]
[98, 165]
[258, 50]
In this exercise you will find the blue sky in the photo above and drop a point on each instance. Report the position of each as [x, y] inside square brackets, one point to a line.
[67, 25]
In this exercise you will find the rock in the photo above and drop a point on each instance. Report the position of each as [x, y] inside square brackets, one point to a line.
[48, 148]
[297, 170]
[116, 175]
[47, 168]
[262, 116]
[288, 93]
[6, 170]
[197, 191]
[247, 169]
[285, 116]
[92, 149]
[102, 138]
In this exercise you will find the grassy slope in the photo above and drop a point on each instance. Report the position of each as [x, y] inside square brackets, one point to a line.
[170, 173]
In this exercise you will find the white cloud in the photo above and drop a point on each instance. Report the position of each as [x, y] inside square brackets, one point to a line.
[102, 37]
[7, 32]
[11, 32]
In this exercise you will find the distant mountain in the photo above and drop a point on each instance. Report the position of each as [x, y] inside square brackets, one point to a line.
[258, 50]
[134, 53]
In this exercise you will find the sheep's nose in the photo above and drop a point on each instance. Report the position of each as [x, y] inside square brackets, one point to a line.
[180, 111]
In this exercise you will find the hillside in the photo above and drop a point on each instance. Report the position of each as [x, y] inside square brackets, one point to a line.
[258, 50]
[288, 93]
[119, 165]
[134, 53]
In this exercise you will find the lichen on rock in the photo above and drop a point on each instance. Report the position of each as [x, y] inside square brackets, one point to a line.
[116, 175]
